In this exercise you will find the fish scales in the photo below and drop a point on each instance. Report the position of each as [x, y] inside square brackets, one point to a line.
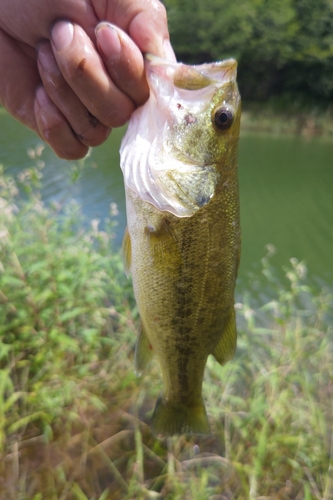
[184, 252]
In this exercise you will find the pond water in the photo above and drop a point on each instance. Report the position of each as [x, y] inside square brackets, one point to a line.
[286, 188]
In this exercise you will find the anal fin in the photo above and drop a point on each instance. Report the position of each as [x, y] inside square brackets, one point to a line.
[143, 352]
[226, 346]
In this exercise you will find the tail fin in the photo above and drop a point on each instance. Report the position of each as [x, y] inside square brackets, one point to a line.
[170, 418]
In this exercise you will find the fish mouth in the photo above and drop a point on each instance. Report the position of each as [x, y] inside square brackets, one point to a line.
[196, 77]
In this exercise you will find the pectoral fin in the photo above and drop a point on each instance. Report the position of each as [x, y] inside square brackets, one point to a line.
[225, 349]
[127, 252]
[143, 352]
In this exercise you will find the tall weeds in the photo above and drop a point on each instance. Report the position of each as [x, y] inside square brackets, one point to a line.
[74, 421]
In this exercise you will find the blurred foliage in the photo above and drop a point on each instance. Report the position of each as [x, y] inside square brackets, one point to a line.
[283, 47]
[64, 302]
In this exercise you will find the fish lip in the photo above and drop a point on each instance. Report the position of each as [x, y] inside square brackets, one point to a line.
[183, 75]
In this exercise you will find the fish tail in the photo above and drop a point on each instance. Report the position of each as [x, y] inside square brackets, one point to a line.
[170, 418]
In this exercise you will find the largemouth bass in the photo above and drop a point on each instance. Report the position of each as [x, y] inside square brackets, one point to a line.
[182, 245]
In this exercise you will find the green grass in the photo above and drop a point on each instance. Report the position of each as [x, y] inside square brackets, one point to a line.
[74, 420]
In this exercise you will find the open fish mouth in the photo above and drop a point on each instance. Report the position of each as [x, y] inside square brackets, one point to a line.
[196, 77]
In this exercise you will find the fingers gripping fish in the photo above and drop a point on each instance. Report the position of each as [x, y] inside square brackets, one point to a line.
[182, 245]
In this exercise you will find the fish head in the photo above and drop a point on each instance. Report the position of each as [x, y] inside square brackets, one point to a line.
[200, 108]
[184, 135]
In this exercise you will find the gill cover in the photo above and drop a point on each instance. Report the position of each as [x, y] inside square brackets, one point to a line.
[170, 151]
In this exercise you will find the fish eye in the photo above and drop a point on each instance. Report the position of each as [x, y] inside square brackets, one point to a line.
[223, 117]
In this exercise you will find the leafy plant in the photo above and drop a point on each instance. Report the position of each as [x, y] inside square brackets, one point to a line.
[74, 421]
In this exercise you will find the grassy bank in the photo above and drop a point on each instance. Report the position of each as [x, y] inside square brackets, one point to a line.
[281, 116]
[74, 420]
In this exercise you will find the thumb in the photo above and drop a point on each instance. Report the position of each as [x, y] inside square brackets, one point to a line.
[149, 30]
[145, 21]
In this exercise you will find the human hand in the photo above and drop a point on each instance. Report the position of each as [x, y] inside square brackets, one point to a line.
[66, 90]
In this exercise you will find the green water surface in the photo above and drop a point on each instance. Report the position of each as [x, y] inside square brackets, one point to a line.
[286, 188]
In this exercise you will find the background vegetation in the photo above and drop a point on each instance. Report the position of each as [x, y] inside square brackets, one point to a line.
[74, 420]
[284, 47]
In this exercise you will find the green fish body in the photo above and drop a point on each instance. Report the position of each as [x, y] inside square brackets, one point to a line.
[182, 246]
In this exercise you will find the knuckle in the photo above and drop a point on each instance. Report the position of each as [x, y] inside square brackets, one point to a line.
[55, 84]
[89, 130]
[64, 144]
[162, 9]
[79, 64]
[50, 130]
[56, 131]
[117, 117]
[93, 139]
[159, 9]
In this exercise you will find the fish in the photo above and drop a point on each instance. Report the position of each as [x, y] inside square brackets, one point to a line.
[182, 242]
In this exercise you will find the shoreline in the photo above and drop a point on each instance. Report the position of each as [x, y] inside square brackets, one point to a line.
[305, 124]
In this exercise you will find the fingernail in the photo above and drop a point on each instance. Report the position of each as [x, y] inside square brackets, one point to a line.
[62, 34]
[108, 40]
[42, 97]
[168, 51]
